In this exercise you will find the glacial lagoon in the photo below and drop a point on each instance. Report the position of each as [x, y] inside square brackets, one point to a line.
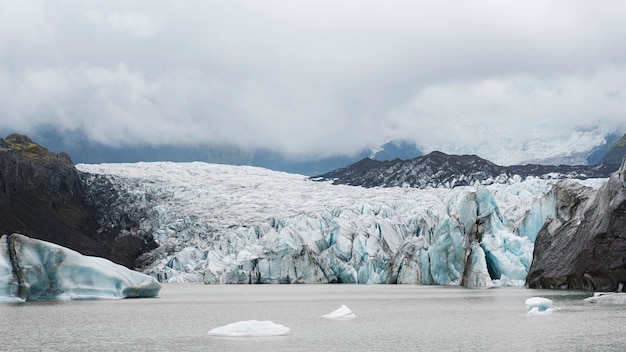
[388, 318]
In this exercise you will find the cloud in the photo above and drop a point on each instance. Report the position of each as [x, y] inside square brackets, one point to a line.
[137, 24]
[503, 79]
[514, 118]
[24, 23]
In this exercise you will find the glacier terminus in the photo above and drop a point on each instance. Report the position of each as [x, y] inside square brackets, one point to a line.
[221, 224]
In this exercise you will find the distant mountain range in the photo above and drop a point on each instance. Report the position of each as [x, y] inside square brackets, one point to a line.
[84, 151]
[442, 170]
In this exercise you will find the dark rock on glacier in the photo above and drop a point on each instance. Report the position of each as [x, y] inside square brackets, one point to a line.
[43, 196]
[442, 170]
[584, 246]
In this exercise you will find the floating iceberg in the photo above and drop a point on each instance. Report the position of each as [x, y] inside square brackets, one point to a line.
[34, 270]
[539, 306]
[607, 297]
[250, 328]
[540, 303]
[341, 313]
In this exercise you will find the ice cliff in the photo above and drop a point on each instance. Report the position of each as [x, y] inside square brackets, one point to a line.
[582, 246]
[227, 224]
[34, 270]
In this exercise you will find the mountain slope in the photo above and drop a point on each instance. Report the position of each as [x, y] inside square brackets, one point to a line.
[43, 196]
[438, 169]
[616, 152]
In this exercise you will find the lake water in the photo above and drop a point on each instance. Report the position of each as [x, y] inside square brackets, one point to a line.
[389, 318]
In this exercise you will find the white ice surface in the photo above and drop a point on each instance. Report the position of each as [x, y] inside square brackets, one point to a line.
[341, 313]
[238, 224]
[250, 328]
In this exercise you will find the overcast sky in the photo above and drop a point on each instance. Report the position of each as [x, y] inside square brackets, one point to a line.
[316, 77]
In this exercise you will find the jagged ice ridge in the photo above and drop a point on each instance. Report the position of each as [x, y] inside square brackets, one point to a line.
[239, 224]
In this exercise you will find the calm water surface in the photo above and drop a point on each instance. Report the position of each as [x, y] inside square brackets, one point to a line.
[389, 318]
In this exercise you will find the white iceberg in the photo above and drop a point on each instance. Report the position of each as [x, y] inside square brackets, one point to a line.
[540, 303]
[607, 297]
[539, 306]
[341, 313]
[250, 328]
[39, 271]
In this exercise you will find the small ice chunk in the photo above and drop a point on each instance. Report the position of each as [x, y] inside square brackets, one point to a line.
[535, 312]
[250, 328]
[607, 297]
[342, 313]
[540, 303]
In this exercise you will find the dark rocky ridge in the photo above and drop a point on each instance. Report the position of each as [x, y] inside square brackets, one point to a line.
[43, 196]
[584, 247]
[442, 170]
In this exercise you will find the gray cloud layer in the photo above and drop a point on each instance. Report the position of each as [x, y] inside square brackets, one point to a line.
[504, 79]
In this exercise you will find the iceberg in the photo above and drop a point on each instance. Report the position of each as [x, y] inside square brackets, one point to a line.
[341, 313]
[607, 297]
[539, 306]
[34, 270]
[540, 303]
[250, 328]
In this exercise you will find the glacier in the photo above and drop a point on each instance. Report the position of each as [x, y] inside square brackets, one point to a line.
[222, 224]
[35, 270]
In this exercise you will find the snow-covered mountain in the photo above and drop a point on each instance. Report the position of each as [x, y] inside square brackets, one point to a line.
[240, 224]
[543, 144]
[442, 170]
[570, 148]
[616, 152]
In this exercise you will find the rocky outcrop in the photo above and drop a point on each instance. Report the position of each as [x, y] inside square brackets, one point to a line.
[584, 246]
[43, 196]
